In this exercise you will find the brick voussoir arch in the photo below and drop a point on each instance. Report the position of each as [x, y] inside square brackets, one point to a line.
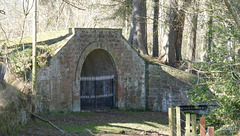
[96, 45]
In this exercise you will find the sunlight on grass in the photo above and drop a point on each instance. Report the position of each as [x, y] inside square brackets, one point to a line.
[136, 126]
[112, 122]
[111, 129]
[70, 127]
[47, 42]
[156, 125]
[115, 128]
[41, 36]
[50, 41]
[133, 127]
[130, 125]
[19, 50]
[52, 34]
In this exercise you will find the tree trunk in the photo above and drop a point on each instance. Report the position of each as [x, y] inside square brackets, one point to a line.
[210, 33]
[34, 52]
[173, 35]
[164, 30]
[194, 30]
[193, 34]
[180, 26]
[138, 34]
[176, 25]
[155, 28]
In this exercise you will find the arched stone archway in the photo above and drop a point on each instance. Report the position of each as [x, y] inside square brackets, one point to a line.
[98, 74]
[96, 61]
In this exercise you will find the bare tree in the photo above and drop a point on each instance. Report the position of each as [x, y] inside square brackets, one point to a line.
[138, 34]
[173, 35]
[194, 29]
[34, 51]
[155, 28]
[180, 26]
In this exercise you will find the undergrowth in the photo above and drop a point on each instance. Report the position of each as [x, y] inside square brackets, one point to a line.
[11, 119]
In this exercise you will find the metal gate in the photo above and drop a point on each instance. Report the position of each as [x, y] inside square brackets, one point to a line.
[97, 92]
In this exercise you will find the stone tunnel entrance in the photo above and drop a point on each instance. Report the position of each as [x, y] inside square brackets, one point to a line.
[98, 68]
[98, 81]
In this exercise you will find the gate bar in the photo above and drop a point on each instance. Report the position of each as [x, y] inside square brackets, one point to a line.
[113, 93]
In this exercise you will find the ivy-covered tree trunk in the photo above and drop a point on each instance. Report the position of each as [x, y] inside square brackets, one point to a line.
[155, 28]
[138, 34]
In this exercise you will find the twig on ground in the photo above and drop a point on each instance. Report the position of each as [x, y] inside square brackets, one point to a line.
[48, 121]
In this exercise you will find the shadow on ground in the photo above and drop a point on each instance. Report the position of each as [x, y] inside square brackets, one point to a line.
[106, 123]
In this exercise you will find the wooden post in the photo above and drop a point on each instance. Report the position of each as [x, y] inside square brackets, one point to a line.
[211, 131]
[202, 126]
[178, 121]
[187, 132]
[172, 121]
[194, 127]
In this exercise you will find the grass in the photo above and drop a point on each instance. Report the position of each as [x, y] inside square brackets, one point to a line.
[19, 50]
[71, 127]
[71, 114]
[136, 127]
[115, 128]
[113, 122]
[49, 41]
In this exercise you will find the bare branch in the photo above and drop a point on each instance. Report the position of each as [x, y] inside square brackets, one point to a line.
[48, 121]
[26, 8]
[73, 5]
[211, 62]
[234, 14]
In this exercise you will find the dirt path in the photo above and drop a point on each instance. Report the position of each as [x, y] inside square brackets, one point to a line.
[107, 123]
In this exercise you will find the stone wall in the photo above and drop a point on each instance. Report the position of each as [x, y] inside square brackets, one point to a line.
[59, 83]
[93, 52]
[167, 87]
